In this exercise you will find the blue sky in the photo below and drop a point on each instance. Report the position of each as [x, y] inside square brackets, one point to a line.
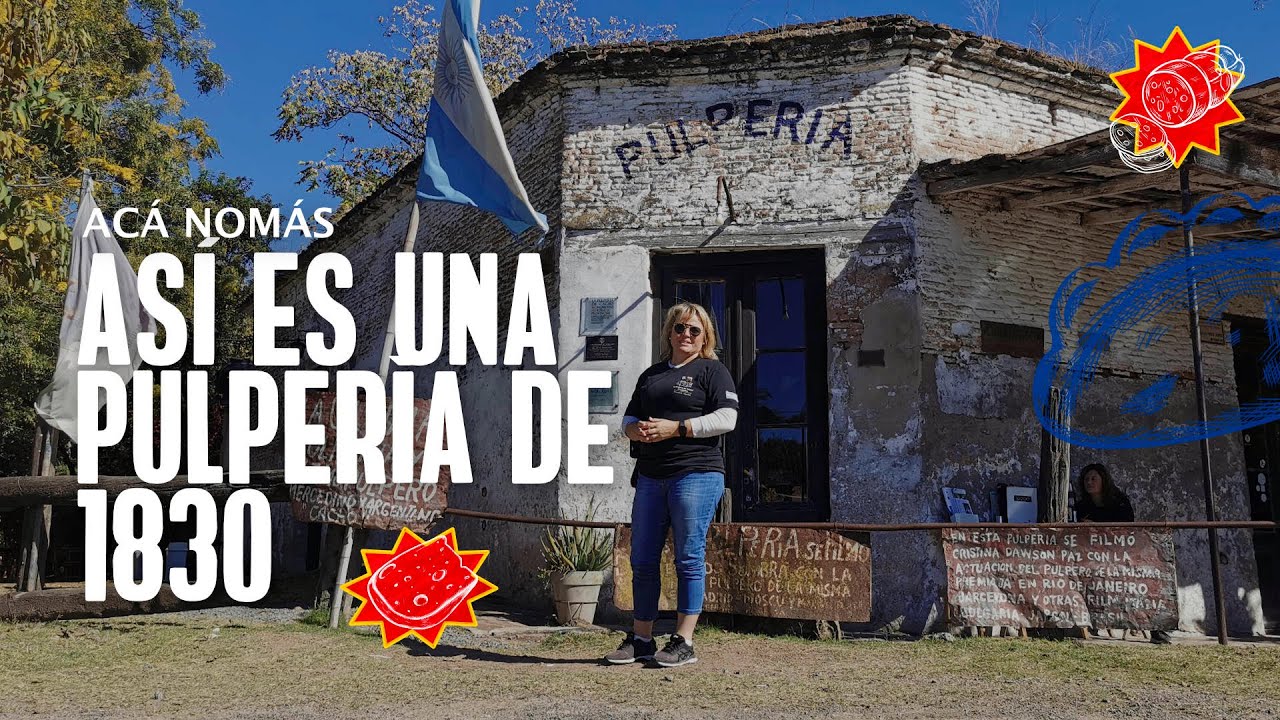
[262, 44]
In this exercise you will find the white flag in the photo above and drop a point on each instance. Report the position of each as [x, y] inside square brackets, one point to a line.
[57, 402]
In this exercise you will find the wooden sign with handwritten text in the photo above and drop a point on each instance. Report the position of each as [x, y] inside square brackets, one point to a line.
[1093, 576]
[768, 572]
[386, 506]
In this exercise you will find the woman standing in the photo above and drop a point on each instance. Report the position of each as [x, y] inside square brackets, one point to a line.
[679, 409]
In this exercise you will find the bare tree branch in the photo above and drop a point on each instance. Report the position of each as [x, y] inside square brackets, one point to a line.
[389, 91]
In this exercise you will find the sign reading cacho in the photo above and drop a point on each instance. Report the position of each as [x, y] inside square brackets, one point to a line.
[768, 572]
[384, 506]
[1086, 577]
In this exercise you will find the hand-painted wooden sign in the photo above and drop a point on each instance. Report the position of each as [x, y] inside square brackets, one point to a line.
[768, 572]
[1093, 576]
[379, 506]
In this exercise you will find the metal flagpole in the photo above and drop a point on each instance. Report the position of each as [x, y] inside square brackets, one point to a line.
[384, 365]
[1193, 312]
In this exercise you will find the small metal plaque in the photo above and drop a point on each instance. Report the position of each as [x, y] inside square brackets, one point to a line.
[598, 314]
[601, 347]
[604, 400]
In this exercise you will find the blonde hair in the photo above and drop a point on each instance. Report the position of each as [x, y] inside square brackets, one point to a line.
[680, 311]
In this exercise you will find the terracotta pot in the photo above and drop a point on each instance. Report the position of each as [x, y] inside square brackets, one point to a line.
[576, 595]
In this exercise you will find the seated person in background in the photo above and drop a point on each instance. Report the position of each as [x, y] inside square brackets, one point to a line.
[1100, 499]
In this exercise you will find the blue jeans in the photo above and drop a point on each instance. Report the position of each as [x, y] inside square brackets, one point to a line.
[685, 505]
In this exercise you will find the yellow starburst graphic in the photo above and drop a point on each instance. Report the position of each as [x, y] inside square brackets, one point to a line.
[419, 587]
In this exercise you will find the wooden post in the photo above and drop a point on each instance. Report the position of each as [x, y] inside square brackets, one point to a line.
[1055, 463]
[724, 511]
[37, 519]
[330, 549]
[336, 601]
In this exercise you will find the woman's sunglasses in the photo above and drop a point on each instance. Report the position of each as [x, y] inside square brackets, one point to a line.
[694, 330]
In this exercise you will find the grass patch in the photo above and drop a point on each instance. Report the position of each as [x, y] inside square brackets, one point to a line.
[301, 670]
[318, 617]
[577, 642]
[715, 633]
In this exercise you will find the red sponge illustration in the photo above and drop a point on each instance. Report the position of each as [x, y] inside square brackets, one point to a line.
[419, 587]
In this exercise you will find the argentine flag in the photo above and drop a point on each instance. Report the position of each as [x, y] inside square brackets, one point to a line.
[466, 160]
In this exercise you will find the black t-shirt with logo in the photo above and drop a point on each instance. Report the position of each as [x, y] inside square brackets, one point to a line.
[697, 388]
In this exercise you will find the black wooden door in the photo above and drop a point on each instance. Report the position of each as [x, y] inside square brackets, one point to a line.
[769, 309]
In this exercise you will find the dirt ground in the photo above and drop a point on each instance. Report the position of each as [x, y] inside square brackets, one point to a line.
[270, 665]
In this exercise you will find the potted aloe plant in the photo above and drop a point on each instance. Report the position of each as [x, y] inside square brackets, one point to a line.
[576, 559]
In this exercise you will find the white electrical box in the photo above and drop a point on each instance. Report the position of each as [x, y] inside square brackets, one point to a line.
[1022, 505]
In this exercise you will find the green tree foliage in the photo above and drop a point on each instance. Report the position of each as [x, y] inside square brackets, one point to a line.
[387, 93]
[87, 84]
[28, 350]
[94, 79]
[41, 122]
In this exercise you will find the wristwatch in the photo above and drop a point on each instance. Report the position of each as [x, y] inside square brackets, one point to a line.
[683, 430]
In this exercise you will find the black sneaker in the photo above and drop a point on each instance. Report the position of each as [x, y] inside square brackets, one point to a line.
[676, 652]
[631, 650]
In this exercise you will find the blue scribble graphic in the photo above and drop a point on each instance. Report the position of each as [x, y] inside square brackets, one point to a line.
[1271, 356]
[1151, 337]
[1151, 399]
[1154, 307]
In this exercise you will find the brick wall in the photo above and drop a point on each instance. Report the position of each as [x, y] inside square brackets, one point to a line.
[964, 110]
[979, 263]
[643, 157]
[795, 148]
